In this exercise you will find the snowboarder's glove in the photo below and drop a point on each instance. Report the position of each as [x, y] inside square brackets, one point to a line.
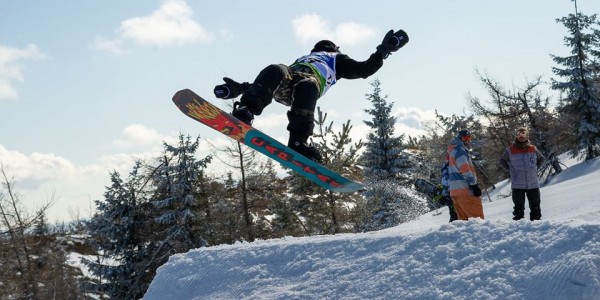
[392, 42]
[476, 190]
[230, 89]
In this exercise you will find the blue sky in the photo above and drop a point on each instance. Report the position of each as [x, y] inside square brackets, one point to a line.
[85, 86]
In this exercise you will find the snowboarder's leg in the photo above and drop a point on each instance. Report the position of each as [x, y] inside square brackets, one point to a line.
[301, 126]
[260, 93]
[534, 198]
[518, 197]
[302, 118]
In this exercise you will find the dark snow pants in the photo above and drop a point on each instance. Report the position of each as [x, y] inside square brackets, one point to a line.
[534, 198]
[292, 87]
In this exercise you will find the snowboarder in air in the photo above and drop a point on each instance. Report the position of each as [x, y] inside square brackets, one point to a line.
[301, 84]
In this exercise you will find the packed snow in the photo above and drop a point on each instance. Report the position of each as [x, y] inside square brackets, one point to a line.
[428, 258]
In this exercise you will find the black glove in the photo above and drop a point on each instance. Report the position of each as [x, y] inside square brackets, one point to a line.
[392, 42]
[476, 190]
[231, 89]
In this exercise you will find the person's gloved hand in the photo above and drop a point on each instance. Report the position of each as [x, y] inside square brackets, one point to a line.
[475, 189]
[392, 41]
[230, 89]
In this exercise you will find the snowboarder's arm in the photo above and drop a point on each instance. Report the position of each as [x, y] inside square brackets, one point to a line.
[349, 68]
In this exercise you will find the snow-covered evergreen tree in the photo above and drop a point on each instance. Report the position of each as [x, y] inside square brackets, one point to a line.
[118, 240]
[175, 194]
[579, 71]
[384, 156]
[389, 171]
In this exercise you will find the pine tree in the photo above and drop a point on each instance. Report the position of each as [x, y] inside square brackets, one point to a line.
[176, 192]
[389, 171]
[116, 230]
[580, 70]
[384, 156]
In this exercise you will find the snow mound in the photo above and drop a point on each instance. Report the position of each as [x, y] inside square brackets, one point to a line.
[476, 259]
[427, 258]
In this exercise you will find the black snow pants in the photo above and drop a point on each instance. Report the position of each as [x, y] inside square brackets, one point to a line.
[296, 88]
[534, 198]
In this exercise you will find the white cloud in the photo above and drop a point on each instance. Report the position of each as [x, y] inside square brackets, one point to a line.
[11, 69]
[38, 177]
[172, 24]
[412, 120]
[136, 135]
[113, 46]
[409, 121]
[35, 169]
[41, 177]
[310, 28]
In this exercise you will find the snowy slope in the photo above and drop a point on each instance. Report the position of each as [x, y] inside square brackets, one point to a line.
[496, 258]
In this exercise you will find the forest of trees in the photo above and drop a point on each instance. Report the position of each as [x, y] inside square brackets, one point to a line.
[173, 203]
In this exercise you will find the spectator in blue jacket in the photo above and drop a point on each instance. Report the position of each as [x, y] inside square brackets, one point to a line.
[523, 159]
[462, 178]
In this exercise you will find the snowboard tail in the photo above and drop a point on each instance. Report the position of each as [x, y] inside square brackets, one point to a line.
[212, 116]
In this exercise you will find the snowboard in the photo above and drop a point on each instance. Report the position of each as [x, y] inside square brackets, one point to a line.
[212, 116]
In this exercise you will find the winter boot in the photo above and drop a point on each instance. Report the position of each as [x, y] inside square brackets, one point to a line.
[518, 215]
[242, 113]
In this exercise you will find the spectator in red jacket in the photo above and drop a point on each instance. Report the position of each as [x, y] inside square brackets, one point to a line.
[523, 159]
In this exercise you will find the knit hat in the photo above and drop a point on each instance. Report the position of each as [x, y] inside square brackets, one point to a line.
[326, 46]
[464, 135]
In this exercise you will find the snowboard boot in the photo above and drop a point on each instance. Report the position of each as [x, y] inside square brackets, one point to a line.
[301, 125]
[301, 146]
[242, 113]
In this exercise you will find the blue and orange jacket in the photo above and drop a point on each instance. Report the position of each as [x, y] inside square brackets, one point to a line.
[461, 171]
